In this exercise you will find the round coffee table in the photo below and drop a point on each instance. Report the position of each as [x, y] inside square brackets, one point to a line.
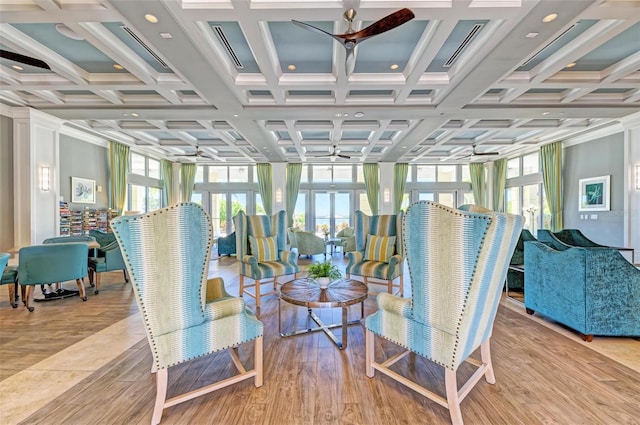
[306, 293]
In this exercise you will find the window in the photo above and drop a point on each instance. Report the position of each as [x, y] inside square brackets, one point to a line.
[199, 174]
[530, 164]
[466, 174]
[144, 184]
[217, 175]
[238, 174]
[321, 174]
[426, 173]
[513, 168]
[447, 173]
[299, 213]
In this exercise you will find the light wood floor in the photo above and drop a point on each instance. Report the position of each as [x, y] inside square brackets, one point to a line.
[542, 376]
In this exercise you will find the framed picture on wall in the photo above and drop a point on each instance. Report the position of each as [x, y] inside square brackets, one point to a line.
[594, 194]
[83, 191]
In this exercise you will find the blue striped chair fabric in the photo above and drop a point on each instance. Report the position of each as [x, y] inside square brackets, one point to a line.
[377, 225]
[261, 226]
[167, 254]
[457, 262]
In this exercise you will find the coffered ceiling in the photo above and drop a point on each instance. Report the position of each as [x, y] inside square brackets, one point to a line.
[238, 81]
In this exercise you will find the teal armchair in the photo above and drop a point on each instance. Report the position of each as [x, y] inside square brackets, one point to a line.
[515, 279]
[227, 245]
[52, 263]
[167, 254]
[108, 258]
[268, 259]
[381, 257]
[309, 244]
[10, 277]
[458, 263]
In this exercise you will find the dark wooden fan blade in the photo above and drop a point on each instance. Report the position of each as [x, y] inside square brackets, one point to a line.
[343, 156]
[385, 24]
[17, 57]
[316, 30]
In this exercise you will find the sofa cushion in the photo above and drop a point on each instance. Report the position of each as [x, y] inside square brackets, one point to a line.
[266, 249]
[379, 248]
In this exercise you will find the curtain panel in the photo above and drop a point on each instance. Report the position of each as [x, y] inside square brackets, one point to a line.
[119, 163]
[551, 156]
[187, 180]
[499, 181]
[371, 185]
[400, 172]
[167, 182]
[293, 173]
[265, 184]
[478, 183]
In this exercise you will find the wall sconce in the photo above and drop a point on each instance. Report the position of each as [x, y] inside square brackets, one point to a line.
[637, 177]
[278, 195]
[44, 178]
[386, 195]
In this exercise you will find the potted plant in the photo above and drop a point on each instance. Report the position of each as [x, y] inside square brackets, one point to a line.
[324, 273]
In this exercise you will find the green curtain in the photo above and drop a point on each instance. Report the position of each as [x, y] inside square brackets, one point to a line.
[119, 162]
[187, 180]
[265, 184]
[499, 180]
[293, 172]
[400, 172]
[371, 185]
[478, 183]
[551, 158]
[167, 182]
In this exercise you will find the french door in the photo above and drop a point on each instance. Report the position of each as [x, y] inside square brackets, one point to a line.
[331, 212]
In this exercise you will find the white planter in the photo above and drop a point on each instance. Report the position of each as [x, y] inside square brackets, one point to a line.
[323, 282]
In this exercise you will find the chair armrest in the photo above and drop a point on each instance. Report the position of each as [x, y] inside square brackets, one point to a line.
[395, 259]
[250, 259]
[355, 257]
[215, 290]
[290, 257]
[224, 307]
[395, 305]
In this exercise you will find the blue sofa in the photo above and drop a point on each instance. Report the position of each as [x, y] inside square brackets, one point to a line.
[227, 245]
[594, 291]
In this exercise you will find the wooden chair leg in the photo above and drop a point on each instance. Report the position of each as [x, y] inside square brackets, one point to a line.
[257, 295]
[390, 286]
[453, 401]
[401, 286]
[28, 297]
[485, 355]
[257, 350]
[80, 284]
[241, 286]
[162, 376]
[97, 290]
[12, 295]
[126, 275]
[369, 353]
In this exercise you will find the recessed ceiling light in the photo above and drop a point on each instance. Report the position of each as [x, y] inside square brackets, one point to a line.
[18, 67]
[166, 35]
[235, 115]
[118, 66]
[291, 67]
[570, 65]
[151, 18]
[359, 114]
[68, 32]
[545, 113]
[550, 18]
[124, 114]
[532, 35]
[134, 114]
[394, 66]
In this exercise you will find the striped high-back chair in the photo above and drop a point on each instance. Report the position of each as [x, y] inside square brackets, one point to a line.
[457, 263]
[167, 254]
[379, 250]
[261, 243]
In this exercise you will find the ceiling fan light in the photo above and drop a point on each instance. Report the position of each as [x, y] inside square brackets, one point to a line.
[291, 67]
[151, 18]
[394, 66]
[17, 67]
[550, 18]
[68, 32]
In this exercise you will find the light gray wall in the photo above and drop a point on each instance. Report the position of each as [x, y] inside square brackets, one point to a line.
[600, 157]
[6, 183]
[81, 159]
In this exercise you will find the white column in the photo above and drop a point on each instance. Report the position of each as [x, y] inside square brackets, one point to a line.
[631, 128]
[36, 148]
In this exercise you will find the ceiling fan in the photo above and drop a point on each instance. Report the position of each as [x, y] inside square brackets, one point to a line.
[334, 152]
[197, 154]
[474, 153]
[352, 38]
[27, 60]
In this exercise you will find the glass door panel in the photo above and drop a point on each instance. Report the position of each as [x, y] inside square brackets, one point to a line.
[299, 213]
[217, 210]
[322, 201]
[342, 214]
